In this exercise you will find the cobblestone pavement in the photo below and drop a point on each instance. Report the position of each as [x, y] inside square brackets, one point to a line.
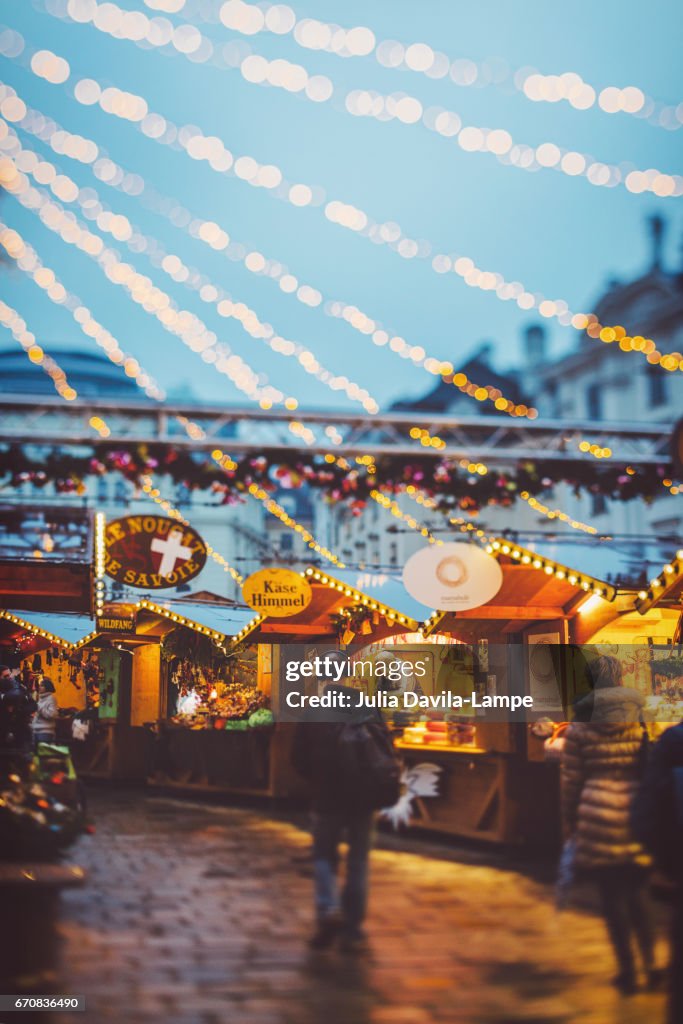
[199, 914]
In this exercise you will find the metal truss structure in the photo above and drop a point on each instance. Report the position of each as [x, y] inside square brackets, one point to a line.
[499, 439]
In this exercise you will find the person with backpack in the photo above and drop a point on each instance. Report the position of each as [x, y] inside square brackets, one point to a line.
[347, 756]
[657, 821]
[602, 763]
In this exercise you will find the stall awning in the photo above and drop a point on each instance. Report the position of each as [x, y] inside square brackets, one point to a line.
[221, 622]
[64, 630]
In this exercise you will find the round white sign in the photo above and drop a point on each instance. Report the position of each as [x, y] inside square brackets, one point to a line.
[452, 577]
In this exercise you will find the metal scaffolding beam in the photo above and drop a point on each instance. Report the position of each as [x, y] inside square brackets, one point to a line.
[502, 440]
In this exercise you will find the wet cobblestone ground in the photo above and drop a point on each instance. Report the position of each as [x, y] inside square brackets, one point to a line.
[199, 914]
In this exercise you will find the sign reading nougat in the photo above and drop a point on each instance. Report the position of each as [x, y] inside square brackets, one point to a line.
[152, 552]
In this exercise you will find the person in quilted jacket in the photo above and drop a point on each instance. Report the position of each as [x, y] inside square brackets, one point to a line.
[601, 769]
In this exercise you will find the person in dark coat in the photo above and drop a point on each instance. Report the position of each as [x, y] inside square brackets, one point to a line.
[658, 822]
[16, 711]
[601, 765]
[337, 812]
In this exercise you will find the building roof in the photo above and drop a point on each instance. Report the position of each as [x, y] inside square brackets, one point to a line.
[90, 373]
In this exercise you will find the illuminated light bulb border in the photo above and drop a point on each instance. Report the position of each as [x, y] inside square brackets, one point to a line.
[37, 631]
[545, 510]
[100, 561]
[462, 265]
[182, 620]
[524, 556]
[16, 324]
[660, 585]
[152, 492]
[392, 614]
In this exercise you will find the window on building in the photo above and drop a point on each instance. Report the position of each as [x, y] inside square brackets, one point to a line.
[594, 402]
[657, 386]
[598, 504]
[120, 492]
[393, 553]
[286, 542]
[102, 488]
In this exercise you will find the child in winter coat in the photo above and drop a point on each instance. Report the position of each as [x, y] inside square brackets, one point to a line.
[601, 769]
[44, 723]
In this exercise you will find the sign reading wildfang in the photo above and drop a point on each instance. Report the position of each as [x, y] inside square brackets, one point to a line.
[152, 552]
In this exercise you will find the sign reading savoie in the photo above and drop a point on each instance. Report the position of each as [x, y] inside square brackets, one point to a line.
[277, 592]
[152, 552]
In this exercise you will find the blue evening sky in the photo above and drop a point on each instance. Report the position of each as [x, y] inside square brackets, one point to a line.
[560, 236]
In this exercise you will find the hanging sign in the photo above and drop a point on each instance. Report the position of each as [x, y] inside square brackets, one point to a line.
[452, 577]
[152, 552]
[117, 618]
[277, 592]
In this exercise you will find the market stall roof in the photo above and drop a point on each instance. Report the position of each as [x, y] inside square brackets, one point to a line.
[221, 622]
[64, 630]
[627, 564]
[332, 592]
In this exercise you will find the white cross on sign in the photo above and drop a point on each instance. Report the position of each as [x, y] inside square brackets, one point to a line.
[171, 550]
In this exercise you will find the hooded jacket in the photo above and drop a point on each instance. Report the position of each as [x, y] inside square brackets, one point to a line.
[601, 766]
[314, 747]
[45, 718]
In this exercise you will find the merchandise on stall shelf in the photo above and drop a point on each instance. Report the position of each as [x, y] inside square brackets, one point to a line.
[439, 733]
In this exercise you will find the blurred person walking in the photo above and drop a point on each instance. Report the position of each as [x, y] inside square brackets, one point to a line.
[16, 708]
[44, 724]
[658, 823]
[346, 755]
[602, 763]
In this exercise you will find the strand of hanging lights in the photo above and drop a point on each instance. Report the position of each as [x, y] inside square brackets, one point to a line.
[183, 324]
[268, 176]
[420, 58]
[151, 491]
[119, 226]
[28, 261]
[187, 41]
[17, 326]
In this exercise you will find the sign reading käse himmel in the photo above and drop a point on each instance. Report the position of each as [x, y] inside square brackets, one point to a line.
[277, 592]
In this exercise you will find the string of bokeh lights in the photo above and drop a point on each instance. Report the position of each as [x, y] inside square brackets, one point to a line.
[187, 41]
[360, 41]
[420, 58]
[215, 236]
[268, 176]
[119, 226]
[17, 326]
[151, 491]
[189, 328]
[28, 261]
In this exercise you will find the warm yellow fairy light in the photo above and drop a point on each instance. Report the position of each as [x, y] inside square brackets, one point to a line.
[280, 513]
[392, 506]
[152, 492]
[557, 513]
[16, 324]
[29, 262]
[496, 547]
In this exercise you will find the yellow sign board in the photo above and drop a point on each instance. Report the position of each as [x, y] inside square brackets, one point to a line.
[278, 593]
